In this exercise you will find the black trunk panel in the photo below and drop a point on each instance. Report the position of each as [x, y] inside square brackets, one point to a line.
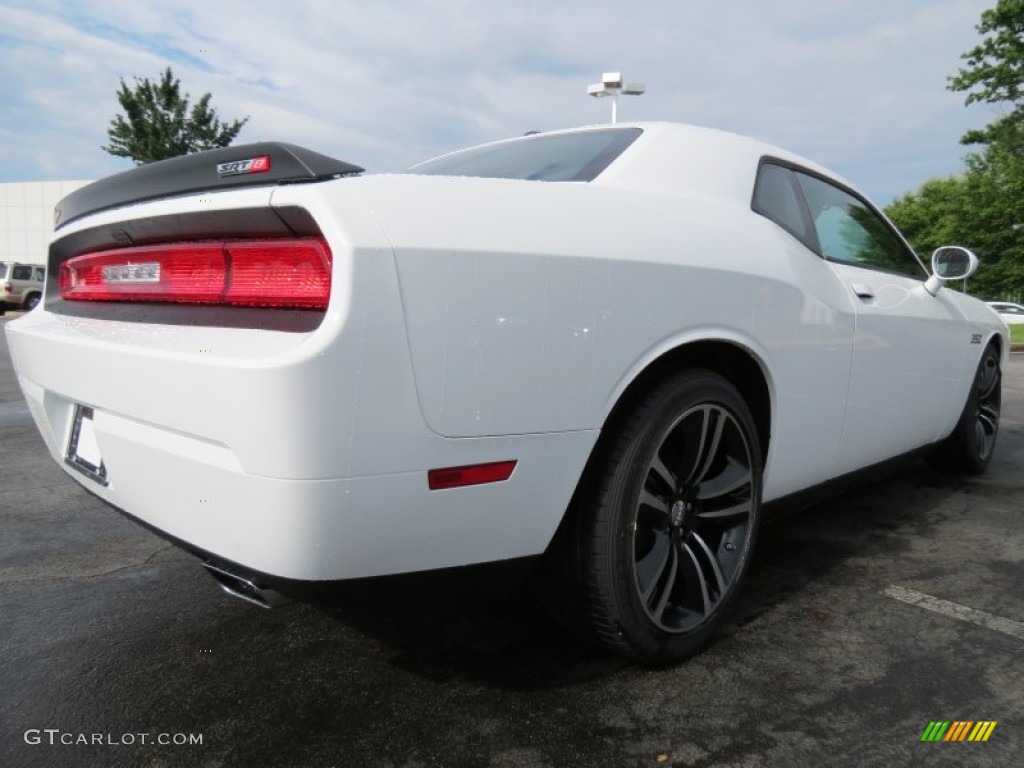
[192, 174]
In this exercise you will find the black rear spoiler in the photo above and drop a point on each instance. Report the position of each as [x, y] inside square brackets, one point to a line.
[268, 162]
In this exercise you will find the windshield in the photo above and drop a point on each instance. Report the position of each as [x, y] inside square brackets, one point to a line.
[560, 157]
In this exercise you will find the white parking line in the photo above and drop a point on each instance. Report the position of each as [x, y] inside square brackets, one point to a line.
[956, 611]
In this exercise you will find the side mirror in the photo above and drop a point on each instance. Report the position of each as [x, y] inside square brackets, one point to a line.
[951, 262]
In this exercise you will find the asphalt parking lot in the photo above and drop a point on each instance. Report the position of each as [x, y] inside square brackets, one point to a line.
[863, 620]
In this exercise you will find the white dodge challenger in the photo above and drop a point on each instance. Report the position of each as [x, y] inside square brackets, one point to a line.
[612, 345]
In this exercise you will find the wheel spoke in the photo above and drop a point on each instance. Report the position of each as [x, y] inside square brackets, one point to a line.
[712, 561]
[666, 592]
[653, 563]
[732, 478]
[988, 417]
[989, 380]
[726, 513]
[650, 500]
[710, 435]
[696, 580]
[980, 440]
[659, 468]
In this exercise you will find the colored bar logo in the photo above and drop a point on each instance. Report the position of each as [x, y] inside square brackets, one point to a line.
[958, 730]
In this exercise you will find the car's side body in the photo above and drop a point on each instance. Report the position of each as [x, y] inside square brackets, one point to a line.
[476, 320]
[21, 285]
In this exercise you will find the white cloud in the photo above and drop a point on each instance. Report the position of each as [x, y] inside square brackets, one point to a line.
[857, 85]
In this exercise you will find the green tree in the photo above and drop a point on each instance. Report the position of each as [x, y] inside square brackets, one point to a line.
[995, 71]
[983, 208]
[995, 188]
[160, 124]
[934, 214]
[980, 209]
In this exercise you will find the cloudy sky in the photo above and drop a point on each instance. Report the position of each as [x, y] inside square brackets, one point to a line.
[858, 85]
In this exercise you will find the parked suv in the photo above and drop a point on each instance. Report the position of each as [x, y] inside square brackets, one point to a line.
[21, 285]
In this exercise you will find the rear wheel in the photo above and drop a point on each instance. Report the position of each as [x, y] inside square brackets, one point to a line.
[969, 448]
[665, 527]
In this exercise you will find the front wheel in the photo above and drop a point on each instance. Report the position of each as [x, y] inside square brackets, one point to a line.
[31, 301]
[969, 448]
[667, 525]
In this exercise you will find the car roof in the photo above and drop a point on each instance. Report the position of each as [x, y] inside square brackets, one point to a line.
[688, 159]
[706, 160]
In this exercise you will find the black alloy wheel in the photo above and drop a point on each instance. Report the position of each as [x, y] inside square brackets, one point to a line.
[989, 388]
[970, 447]
[692, 518]
[663, 530]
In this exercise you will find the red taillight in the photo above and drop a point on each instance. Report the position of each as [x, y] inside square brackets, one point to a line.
[260, 273]
[474, 474]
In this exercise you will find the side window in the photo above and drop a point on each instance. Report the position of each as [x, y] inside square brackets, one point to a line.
[849, 231]
[21, 273]
[776, 198]
[40, 274]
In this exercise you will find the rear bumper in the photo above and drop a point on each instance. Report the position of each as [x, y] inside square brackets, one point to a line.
[293, 455]
[319, 529]
[324, 529]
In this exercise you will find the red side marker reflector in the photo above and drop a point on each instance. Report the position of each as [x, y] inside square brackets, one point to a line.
[473, 474]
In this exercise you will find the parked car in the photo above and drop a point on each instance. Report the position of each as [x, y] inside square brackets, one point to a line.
[1012, 314]
[21, 285]
[611, 345]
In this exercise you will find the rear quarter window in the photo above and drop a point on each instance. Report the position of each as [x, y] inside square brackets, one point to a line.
[777, 197]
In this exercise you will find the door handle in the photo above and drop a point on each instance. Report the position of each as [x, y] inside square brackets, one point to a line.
[863, 291]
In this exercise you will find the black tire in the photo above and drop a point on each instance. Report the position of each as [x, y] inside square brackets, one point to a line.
[970, 446]
[662, 529]
[31, 301]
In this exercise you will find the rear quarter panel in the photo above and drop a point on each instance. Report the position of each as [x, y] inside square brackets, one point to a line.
[531, 306]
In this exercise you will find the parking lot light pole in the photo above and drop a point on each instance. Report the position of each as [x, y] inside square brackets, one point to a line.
[612, 85]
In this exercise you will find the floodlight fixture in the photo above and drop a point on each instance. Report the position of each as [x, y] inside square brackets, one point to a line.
[612, 85]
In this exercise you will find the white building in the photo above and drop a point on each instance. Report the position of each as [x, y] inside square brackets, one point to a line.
[26, 217]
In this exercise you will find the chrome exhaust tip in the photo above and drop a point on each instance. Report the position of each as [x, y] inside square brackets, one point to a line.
[245, 589]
